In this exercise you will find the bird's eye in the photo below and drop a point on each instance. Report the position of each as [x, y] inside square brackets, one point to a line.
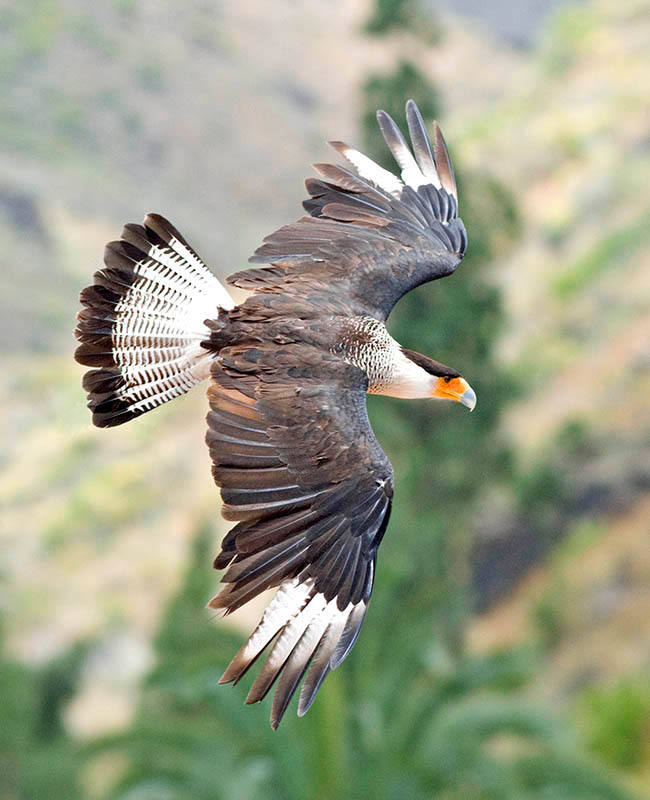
[447, 378]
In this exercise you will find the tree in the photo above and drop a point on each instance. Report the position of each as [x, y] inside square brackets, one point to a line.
[394, 15]
[37, 758]
[397, 731]
[442, 455]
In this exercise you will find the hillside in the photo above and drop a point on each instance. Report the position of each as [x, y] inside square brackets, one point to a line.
[577, 290]
[78, 160]
[577, 285]
[172, 116]
[95, 542]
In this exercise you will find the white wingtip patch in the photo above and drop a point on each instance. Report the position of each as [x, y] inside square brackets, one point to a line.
[368, 169]
[282, 649]
[287, 603]
[312, 635]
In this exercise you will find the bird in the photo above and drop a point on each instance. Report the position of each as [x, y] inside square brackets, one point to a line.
[300, 471]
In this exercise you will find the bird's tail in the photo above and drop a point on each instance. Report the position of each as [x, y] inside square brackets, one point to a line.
[143, 322]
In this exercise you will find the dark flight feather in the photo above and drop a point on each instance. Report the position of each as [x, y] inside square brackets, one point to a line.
[324, 529]
[421, 145]
[364, 246]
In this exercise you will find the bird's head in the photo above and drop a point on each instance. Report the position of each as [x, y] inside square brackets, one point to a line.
[455, 388]
[443, 382]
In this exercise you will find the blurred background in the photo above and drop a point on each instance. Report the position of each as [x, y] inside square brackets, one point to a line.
[506, 653]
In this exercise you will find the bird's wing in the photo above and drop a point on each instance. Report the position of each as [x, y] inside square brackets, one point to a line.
[306, 481]
[371, 237]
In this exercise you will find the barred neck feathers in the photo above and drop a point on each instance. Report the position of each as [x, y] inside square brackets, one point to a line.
[391, 369]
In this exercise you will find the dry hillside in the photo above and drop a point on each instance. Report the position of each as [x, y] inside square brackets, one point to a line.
[157, 124]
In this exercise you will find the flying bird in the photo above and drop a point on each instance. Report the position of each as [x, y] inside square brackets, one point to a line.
[301, 472]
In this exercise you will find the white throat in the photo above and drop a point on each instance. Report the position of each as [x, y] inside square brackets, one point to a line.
[409, 381]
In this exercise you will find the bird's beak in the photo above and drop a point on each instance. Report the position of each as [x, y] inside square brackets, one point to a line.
[456, 389]
[468, 397]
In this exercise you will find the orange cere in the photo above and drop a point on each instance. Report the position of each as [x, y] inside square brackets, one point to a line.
[452, 389]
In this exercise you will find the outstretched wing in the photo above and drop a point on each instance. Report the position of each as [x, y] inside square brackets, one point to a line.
[310, 489]
[371, 237]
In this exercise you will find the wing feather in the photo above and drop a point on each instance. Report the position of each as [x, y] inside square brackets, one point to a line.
[411, 172]
[309, 524]
[370, 237]
[320, 663]
[421, 145]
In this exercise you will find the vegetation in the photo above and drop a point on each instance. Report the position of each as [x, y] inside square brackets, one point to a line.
[388, 16]
[410, 714]
[413, 713]
[616, 722]
[37, 758]
[606, 254]
[402, 719]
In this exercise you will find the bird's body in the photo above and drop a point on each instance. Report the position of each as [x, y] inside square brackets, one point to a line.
[362, 342]
[300, 470]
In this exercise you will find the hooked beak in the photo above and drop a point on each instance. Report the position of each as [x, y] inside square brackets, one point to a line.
[458, 390]
[468, 398]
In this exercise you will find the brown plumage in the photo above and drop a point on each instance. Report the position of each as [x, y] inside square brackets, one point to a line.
[301, 472]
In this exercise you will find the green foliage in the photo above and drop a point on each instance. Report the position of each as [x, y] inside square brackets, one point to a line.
[576, 438]
[400, 719]
[540, 492]
[150, 77]
[126, 8]
[70, 121]
[578, 539]
[94, 498]
[455, 321]
[548, 618]
[390, 92]
[33, 27]
[571, 29]
[56, 683]
[388, 15]
[608, 253]
[92, 34]
[616, 722]
[37, 759]
[407, 15]
[543, 489]
[556, 232]
[556, 610]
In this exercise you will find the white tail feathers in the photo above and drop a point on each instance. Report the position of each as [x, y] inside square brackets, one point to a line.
[144, 321]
